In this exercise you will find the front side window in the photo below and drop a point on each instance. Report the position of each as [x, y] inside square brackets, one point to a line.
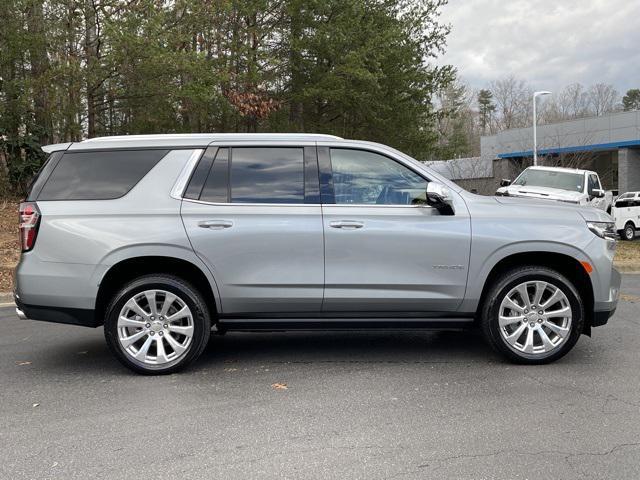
[267, 175]
[367, 178]
[594, 183]
[98, 175]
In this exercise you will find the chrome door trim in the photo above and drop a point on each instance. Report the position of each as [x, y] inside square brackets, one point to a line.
[185, 174]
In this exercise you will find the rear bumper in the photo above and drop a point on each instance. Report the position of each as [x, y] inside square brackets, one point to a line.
[69, 316]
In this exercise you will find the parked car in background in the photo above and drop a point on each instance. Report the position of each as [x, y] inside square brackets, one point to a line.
[569, 185]
[626, 214]
[161, 238]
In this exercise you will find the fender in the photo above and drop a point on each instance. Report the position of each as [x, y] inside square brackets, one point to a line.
[481, 270]
[152, 250]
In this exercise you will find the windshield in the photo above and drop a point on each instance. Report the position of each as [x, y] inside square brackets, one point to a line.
[552, 179]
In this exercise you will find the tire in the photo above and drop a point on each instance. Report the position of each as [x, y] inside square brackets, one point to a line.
[152, 341]
[563, 330]
[629, 232]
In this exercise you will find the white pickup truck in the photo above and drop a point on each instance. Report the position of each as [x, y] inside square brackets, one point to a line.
[569, 185]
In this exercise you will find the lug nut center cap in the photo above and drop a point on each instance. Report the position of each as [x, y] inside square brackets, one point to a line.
[156, 326]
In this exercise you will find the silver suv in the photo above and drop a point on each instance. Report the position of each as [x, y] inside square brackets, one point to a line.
[165, 238]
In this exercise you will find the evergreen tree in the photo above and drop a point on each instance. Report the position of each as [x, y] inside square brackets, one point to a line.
[486, 107]
[631, 100]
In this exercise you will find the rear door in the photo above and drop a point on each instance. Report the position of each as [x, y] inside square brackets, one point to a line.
[385, 249]
[253, 215]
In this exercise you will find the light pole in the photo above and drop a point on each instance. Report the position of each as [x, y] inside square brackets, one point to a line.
[535, 122]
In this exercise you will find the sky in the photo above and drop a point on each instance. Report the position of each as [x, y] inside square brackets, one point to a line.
[548, 43]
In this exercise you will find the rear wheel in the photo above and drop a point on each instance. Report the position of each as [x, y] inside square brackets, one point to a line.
[629, 231]
[532, 315]
[157, 324]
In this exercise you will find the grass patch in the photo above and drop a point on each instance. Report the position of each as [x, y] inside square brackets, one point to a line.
[628, 256]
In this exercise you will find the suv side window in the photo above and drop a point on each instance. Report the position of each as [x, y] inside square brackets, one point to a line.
[367, 178]
[267, 175]
[255, 175]
[98, 175]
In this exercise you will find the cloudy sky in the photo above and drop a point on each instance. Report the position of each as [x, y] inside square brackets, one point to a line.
[548, 43]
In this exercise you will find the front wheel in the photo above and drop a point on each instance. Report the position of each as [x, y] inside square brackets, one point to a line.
[532, 315]
[157, 324]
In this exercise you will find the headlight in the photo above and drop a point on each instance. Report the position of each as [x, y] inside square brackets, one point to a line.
[603, 229]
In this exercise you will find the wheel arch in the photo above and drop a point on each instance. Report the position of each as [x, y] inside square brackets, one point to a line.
[565, 264]
[136, 266]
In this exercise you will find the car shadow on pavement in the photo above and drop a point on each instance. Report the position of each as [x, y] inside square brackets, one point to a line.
[347, 347]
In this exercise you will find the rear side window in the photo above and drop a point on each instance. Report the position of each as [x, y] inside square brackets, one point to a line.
[98, 175]
[267, 175]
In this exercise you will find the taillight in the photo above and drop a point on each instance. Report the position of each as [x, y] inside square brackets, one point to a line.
[29, 223]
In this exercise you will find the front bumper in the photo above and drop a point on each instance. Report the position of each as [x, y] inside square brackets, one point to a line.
[605, 310]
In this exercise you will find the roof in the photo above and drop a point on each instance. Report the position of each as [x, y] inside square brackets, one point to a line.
[183, 140]
[561, 169]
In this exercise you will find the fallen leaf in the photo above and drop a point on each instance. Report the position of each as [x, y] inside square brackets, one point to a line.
[23, 362]
[279, 386]
[36, 405]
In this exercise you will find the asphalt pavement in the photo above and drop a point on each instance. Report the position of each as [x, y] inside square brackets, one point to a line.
[327, 405]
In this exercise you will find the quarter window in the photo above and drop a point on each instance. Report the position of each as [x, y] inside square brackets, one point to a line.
[98, 175]
[361, 177]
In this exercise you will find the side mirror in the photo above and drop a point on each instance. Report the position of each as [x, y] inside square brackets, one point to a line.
[597, 192]
[439, 196]
[505, 182]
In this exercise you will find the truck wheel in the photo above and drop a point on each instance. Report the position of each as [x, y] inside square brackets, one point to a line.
[532, 315]
[629, 232]
[157, 324]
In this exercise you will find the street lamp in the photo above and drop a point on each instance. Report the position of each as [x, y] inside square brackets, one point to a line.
[535, 122]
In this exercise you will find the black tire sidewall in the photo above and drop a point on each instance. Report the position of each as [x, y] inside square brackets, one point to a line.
[626, 230]
[187, 293]
[504, 284]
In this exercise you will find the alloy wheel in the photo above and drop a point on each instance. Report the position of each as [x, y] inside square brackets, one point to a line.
[535, 318]
[155, 327]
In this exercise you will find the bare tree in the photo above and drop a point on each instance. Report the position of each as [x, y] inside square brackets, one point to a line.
[513, 102]
[603, 98]
[571, 102]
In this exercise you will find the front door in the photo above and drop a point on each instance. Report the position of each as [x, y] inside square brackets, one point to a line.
[385, 249]
[253, 216]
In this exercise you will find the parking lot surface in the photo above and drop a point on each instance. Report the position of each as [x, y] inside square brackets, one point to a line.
[330, 405]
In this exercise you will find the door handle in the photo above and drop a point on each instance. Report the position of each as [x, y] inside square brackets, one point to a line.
[346, 224]
[215, 224]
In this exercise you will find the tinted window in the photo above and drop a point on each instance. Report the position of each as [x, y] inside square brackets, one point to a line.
[361, 177]
[593, 183]
[216, 188]
[98, 175]
[267, 175]
[199, 175]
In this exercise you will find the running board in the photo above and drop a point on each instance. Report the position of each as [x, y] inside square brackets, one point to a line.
[282, 324]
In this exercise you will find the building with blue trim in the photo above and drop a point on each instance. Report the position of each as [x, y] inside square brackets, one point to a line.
[608, 144]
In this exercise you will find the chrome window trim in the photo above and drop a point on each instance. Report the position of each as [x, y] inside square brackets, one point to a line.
[359, 205]
[185, 174]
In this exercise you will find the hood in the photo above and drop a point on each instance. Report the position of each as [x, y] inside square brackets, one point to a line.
[542, 192]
